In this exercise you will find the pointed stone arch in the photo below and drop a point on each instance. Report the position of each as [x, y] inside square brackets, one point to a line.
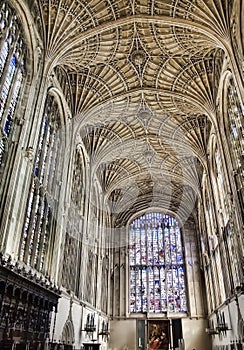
[68, 335]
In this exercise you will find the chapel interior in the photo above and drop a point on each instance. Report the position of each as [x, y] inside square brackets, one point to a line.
[121, 174]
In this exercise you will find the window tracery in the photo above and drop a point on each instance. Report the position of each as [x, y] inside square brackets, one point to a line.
[39, 221]
[157, 276]
[12, 59]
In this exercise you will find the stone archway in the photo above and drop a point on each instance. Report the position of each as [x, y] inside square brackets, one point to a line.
[68, 333]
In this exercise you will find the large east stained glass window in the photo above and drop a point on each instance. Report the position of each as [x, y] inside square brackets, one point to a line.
[157, 278]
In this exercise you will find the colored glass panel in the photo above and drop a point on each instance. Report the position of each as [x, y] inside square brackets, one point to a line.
[157, 279]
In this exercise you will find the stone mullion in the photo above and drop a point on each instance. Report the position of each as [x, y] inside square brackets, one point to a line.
[209, 289]
[103, 229]
[210, 189]
[223, 263]
[108, 239]
[216, 278]
[51, 228]
[90, 277]
[208, 269]
[64, 276]
[212, 284]
[53, 190]
[76, 181]
[211, 199]
[84, 250]
[75, 245]
[94, 279]
[55, 153]
[45, 148]
[42, 229]
[235, 261]
[116, 286]
[103, 292]
[210, 266]
[37, 226]
[112, 289]
[122, 272]
[31, 221]
[101, 257]
[78, 270]
[52, 185]
[87, 279]
[74, 271]
[225, 270]
[97, 272]
[50, 161]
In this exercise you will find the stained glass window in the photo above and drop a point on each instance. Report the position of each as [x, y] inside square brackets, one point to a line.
[12, 58]
[236, 130]
[40, 218]
[157, 277]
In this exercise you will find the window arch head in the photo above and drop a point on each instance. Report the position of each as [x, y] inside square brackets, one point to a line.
[157, 276]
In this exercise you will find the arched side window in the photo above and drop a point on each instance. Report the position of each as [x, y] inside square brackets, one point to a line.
[12, 59]
[157, 276]
[235, 130]
[40, 212]
[73, 245]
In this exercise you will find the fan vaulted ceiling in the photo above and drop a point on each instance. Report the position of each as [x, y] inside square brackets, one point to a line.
[140, 79]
